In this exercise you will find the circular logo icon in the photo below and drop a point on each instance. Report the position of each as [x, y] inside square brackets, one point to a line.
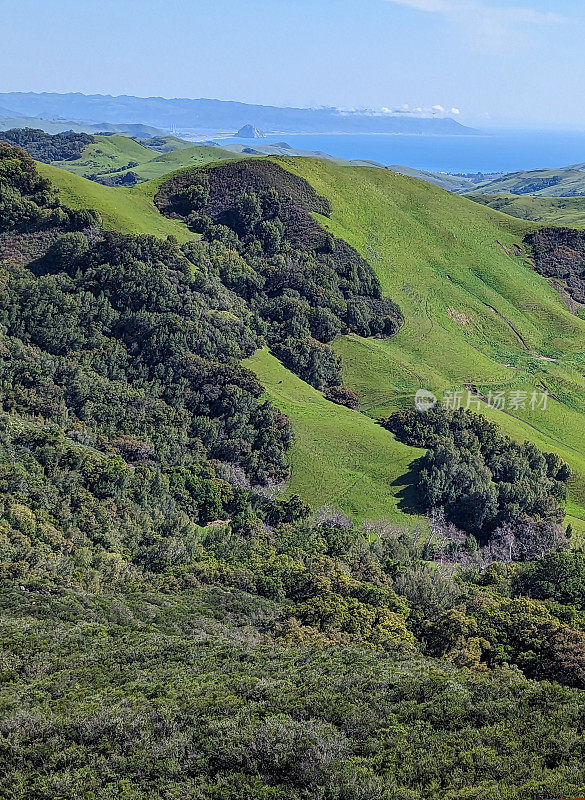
[424, 400]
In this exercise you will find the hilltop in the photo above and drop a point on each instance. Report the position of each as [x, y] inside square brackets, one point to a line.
[114, 160]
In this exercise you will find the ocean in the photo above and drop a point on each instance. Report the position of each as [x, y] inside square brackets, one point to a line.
[496, 151]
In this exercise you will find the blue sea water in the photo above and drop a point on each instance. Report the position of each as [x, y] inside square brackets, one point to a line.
[496, 151]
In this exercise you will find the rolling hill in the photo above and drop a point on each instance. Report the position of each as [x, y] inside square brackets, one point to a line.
[477, 315]
[563, 182]
[568, 211]
[125, 209]
[172, 625]
[12, 119]
[121, 159]
[476, 312]
[217, 115]
[118, 160]
[114, 157]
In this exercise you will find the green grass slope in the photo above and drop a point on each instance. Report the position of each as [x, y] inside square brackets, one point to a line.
[567, 211]
[128, 210]
[186, 157]
[339, 456]
[562, 182]
[107, 154]
[118, 155]
[164, 144]
[476, 312]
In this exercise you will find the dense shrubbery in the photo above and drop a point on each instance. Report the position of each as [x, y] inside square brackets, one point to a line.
[116, 179]
[28, 203]
[126, 338]
[481, 478]
[254, 661]
[560, 253]
[343, 397]
[306, 284]
[48, 147]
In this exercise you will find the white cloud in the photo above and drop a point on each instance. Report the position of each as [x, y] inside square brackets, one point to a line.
[486, 9]
[442, 6]
[418, 111]
[485, 24]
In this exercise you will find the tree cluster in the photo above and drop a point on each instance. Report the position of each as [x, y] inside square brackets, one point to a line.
[484, 481]
[48, 147]
[307, 285]
[560, 253]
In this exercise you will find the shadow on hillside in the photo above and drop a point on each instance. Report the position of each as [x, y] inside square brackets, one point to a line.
[408, 498]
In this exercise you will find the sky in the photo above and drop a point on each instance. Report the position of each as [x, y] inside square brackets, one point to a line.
[499, 63]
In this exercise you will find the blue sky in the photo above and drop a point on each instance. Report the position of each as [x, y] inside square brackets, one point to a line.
[510, 62]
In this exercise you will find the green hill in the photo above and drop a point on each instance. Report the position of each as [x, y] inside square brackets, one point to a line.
[568, 211]
[196, 156]
[126, 209]
[476, 312]
[164, 144]
[562, 182]
[172, 626]
[107, 154]
[112, 157]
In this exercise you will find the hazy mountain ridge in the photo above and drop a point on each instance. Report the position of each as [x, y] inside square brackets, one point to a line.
[214, 115]
[10, 119]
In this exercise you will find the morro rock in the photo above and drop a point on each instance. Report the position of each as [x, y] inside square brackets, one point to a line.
[249, 132]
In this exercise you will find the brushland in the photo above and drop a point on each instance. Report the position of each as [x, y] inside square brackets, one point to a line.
[173, 626]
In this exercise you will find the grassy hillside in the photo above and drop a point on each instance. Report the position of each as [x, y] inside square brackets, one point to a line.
[164, 144]
[476, 313]
[119, 155]
[563, 182]
[129, 210]
[339, 456]
[107, 154]
[196, 156]
[568, 211]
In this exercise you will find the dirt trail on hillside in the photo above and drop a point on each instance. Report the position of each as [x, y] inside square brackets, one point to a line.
[518, 335]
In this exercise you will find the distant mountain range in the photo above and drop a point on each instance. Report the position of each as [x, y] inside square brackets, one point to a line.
[13, 119]
[216, 115]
